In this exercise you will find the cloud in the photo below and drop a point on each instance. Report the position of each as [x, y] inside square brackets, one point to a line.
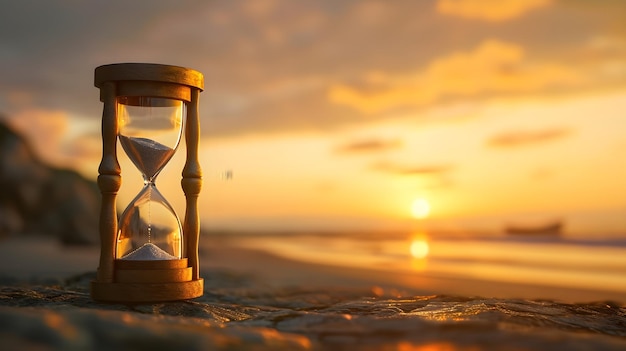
[411, 170]
[492, 67]
[270, 65]
[527, 137]
[426, 176]
[369, 145]
[489, 10]
[421, 170]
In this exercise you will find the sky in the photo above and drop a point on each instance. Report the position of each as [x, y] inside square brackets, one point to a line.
[351, 115]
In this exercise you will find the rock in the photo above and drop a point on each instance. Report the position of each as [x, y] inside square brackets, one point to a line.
[63, 317]
[38, 199]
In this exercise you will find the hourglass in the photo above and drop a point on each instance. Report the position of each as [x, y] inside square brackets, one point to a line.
[148, 256]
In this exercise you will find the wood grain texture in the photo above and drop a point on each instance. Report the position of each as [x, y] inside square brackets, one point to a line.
[146, 292]
[154, 89]
[109, 182]
[151, 264]
[153, 275]
[192, 184]
[149, 72]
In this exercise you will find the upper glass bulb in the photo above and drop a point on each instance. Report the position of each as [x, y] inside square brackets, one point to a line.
[149, 131]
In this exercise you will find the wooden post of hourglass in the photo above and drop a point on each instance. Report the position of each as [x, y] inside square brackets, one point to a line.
[192, 184]
[121, 280]
[109, 182]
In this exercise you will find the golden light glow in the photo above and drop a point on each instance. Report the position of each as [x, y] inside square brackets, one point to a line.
[420, 208]
[493, 66]
[435, 346]
[419, 248]
[489, 10]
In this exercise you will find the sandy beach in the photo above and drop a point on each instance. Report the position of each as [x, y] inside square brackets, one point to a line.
[259, 301]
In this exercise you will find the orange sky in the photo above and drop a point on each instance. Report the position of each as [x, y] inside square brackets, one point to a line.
[339, 115]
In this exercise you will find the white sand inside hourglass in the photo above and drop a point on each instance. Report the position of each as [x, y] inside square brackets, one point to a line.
[149, 252]
[148, 155]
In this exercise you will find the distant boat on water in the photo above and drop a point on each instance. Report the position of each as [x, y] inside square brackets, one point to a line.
[548, 229]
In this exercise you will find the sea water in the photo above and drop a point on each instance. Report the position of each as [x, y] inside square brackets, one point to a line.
[559, 268]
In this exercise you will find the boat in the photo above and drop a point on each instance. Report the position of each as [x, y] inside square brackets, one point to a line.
[548, 229]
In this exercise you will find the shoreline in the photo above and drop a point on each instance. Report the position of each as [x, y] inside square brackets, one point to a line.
[284, 272]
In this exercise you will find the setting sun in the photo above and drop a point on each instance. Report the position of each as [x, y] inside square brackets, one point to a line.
[420, 208]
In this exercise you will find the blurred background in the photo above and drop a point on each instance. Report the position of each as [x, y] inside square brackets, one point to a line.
[430, 119]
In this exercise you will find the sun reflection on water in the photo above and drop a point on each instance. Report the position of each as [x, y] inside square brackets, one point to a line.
[419, 248]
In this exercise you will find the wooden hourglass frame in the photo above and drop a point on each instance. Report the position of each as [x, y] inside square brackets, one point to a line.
[137, 281]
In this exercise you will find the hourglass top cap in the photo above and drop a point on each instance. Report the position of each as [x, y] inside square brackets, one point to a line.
[148, 72]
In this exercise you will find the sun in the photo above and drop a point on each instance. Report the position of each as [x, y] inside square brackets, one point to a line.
[420, 208]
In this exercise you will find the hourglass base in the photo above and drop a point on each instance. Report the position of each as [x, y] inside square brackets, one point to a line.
[149, 281]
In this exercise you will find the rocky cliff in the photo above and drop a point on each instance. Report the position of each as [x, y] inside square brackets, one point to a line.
[38, 199]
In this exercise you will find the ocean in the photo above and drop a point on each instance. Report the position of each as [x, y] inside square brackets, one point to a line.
[548, 267]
